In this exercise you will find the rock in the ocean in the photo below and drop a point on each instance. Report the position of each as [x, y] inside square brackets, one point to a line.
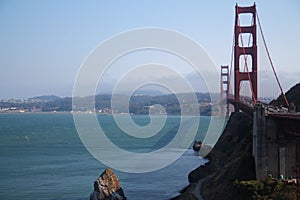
[204, 150]
[107, 187]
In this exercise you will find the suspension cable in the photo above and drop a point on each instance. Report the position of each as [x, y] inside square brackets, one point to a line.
[231, 64]
[269, 57]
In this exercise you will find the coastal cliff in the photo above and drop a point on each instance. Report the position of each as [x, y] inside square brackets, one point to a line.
[230, 172]
[231, 159]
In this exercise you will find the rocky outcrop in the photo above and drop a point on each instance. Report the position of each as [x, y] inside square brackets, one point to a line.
[231, 159]
[107, 187]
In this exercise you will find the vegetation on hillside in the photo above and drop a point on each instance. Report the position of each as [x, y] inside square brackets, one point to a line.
[269, 189]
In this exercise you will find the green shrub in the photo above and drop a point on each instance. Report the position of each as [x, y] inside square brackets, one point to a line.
[266, 189]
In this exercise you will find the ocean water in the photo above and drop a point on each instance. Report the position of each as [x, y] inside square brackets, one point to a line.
[42, 157]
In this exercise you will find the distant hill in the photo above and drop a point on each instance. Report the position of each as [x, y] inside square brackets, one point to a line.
[45, 98]
[293, 96]
[148, 92]
[138, 104]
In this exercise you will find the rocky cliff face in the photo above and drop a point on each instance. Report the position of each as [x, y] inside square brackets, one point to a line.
[107, 187]
[230, 160]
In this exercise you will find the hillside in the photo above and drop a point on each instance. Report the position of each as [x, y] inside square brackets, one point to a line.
[293, 96]
[138, 104]
[230, 160]
[44, 98]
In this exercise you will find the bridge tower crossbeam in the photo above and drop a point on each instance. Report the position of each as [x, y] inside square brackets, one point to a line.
[224, 89]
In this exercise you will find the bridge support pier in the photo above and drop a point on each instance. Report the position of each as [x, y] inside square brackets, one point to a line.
[274, 151]
[259, 144]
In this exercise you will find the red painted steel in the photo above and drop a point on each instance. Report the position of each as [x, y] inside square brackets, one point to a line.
[224, 88]
[242, 51]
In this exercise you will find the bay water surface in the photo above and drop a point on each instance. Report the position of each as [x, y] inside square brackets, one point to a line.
[42, 157]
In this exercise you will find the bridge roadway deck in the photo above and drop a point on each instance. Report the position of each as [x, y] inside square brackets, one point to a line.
[287, 121]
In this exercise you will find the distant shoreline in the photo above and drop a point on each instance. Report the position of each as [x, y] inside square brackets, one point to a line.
[62, 112]
[98, 113]
[108, 114]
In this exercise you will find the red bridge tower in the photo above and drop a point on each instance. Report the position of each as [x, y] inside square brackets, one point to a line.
[240, 50]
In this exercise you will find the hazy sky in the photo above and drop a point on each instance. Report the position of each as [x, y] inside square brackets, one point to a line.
[43, 43]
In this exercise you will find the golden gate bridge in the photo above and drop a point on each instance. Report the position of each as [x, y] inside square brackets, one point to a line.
[276, 131]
